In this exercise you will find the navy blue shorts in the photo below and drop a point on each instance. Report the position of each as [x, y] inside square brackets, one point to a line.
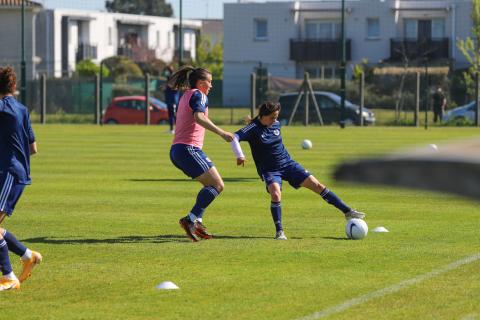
[191, 160]
[10, 192]
[294, 173]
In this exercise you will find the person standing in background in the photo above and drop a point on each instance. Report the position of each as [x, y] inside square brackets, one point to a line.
[439, 104]
[171, 99]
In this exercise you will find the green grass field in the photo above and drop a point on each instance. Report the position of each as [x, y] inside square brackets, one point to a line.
[104, 210]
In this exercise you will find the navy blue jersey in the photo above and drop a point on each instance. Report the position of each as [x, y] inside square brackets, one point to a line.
[266, 144]
[198, 101]
[16, 135]
[171, 96]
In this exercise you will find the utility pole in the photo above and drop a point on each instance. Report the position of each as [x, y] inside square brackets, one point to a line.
[180, 37]
[23, 71]
[343, 73]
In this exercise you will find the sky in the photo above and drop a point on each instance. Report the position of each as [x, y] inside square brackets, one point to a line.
[192, 9]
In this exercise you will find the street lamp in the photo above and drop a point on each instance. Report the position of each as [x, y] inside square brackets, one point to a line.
[23, 71]
[342, 70]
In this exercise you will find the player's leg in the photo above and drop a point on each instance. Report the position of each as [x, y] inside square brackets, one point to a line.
[171, 116]
[8, 280]
[275, 191]
[313, 184]
[28, 257]
[212, 187]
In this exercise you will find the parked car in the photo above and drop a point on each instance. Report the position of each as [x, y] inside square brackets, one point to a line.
[329, 104]
[131, 110]
[466, 112]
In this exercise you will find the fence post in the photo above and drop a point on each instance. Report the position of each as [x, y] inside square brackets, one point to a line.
[426, 93]
[477, 99]
[147, 99]
[306, 93]
[97, 99]
[417, 101]
[253, 105]
[43, 99]
[362, 96]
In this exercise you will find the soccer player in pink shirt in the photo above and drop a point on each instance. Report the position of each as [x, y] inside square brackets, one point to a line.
[186, 151]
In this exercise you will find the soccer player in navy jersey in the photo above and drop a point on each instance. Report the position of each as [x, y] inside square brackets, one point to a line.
[274, 164]
[17, 143]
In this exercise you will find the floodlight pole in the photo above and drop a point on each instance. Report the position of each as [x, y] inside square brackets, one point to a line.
[342, 70]
[23, 71]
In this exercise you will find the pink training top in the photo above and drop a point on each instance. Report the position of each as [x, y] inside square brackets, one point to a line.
[187, 130]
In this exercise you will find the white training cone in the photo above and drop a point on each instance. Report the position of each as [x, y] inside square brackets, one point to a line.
[380, 229]
[167, 285]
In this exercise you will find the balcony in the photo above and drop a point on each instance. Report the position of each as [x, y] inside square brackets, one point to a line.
[419, 49]
[136, 53]
[187, 54]
[86, 51]
[318, 50]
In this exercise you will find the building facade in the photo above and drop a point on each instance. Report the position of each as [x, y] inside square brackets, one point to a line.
[289, 38]
[11, 36]
[65, 37]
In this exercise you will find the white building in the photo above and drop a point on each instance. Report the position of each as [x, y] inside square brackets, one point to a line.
[65, 37]
[11, 35]
[289, 38]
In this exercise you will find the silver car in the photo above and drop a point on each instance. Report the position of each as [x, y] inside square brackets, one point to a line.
[466, 112]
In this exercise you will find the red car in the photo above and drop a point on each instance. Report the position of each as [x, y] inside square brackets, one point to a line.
[131, 110]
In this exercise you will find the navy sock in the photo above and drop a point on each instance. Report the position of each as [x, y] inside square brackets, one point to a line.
[276, 210]
[4, 258]
[13, 244]
[332, 199]
[204, 198]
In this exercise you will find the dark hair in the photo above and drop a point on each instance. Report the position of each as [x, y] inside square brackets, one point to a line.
[8, 80]
[267, 108]
[187, 77]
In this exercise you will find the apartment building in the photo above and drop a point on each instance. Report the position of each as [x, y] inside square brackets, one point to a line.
[65, 37]
[289, 38]
[11, 34]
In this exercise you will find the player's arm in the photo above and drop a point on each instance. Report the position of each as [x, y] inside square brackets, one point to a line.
[33, 148]
[202, 120]
[198, 103]
[237, 150]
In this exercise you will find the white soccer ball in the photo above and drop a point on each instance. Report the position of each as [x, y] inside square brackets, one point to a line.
[356, 229]
[433, 147]
[307, 144]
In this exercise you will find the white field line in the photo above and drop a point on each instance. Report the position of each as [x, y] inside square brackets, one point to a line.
[388, 290]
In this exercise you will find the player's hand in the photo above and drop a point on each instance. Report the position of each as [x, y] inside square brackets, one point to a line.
[241, 162]
[227, 136]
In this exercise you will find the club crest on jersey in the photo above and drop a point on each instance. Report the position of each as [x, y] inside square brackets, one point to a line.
[276, 132]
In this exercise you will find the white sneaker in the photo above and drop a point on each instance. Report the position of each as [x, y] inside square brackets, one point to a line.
[354, 214]
[280, 235]
[172, 131]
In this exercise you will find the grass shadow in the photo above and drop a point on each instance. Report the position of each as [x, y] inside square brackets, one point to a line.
[335, 238]
[234, 179]
[166, 238]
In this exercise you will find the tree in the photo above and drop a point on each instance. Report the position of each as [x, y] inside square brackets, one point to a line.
[470, 48]
[143, 7]
[87, 68]
[121, 68]
[210, 58]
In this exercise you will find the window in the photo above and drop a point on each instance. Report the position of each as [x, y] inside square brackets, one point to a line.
[325, 102]
[438, 28]
[410, 28]
[261, 29]
[326, 30]
[110, 42]
[373, 28]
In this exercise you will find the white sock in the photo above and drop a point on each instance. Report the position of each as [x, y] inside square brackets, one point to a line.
[27, 255]
[200, 220]
[10, 276]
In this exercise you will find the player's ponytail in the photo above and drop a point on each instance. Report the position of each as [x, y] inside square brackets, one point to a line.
[266, 109]
[187, 77]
